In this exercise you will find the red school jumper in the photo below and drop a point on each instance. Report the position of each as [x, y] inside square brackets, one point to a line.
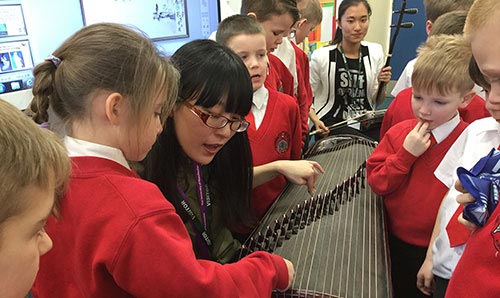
[477, 274]
[279, 77]
[117, 236]
[304, 91]
[400, 109]
[411, 192]
[278, 137]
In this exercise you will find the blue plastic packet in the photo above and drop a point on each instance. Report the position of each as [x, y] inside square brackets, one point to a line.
[483, 183]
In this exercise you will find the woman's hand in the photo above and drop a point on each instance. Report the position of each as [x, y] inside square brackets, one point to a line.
[385, 75]
[321, 126]
[301, 172]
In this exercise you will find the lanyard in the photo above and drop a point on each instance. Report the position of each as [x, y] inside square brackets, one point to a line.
[205, 208]
[346, 65]
[205, 203]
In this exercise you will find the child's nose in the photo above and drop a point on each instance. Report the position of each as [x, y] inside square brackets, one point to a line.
[279, 40]
[252, 62]
[45, 244]
[425, 109]
[493, 96]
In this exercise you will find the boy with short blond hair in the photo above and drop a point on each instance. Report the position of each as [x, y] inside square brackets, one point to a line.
[34, 168]
[449, 23]
[401, 167]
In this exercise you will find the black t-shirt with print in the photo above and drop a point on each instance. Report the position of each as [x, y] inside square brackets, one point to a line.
[350, 90]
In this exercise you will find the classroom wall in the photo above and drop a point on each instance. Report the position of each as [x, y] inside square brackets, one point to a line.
[408, 39]
[229, 8]
[50, 22]
[380, 22]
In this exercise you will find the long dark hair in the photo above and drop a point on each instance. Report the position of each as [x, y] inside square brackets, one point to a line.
[210, 73]
[342, 9]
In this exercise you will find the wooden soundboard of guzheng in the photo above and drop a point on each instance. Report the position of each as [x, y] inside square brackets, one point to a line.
[336, 239]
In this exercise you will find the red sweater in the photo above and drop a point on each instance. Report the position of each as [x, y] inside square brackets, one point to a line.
[400, 109]
[279, 77]
[278, 137]
[119, 237]
[304, 91]
[411, 192]
[477, 274]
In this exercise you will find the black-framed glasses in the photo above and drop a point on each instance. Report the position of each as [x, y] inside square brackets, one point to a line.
[218, 121]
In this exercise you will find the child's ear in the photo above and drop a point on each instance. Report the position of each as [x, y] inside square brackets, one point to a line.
[301, 22]
[428, 26]
[115, 108]
[467, 98]
[252, 14]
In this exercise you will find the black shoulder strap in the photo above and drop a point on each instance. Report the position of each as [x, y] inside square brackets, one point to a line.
[366, 52]
[332, 58]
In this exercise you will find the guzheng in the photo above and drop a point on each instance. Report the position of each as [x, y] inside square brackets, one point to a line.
[336, 238]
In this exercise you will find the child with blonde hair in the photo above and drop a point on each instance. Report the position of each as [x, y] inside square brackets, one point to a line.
[443, 254]
[117, 235]
[34, 167]
[450, 23]
[401, 167]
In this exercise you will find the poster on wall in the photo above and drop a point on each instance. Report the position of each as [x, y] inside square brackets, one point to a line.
[159, 19]
[11, 20]
[15, 55]
[324, 32]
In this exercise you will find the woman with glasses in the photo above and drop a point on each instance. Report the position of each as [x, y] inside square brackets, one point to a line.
[202, 161]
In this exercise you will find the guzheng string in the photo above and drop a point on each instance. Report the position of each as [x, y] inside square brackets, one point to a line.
[336, 238]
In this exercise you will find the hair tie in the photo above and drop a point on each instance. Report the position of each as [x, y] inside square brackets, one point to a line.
[55, 60]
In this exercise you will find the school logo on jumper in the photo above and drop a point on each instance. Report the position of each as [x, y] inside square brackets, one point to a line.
[282, 142]
[495, 234]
